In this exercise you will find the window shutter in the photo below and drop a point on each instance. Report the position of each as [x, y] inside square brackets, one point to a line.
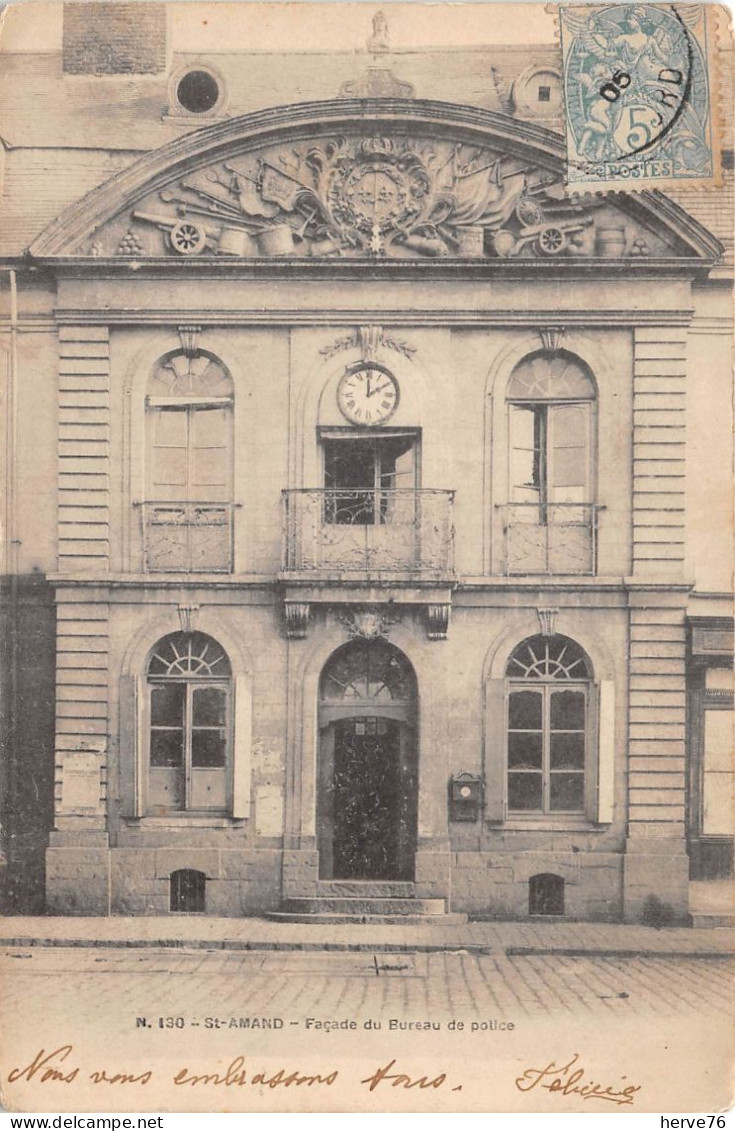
[241, 748]
[606, 751]
[133, 725]
[495, 756]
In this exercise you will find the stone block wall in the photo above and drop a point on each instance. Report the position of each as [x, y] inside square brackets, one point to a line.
[496, 885]
[238, 882]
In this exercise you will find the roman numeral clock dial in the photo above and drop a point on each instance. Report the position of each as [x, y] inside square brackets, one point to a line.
[367, 394]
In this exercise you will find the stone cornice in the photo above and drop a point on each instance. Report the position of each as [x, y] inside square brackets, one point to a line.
[478, 318]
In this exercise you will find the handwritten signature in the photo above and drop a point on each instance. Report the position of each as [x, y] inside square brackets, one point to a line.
[569, 1080]
[58, 1067]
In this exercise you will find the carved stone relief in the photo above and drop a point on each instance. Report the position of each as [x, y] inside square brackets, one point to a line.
[368, 339]
[371, 196]
[368, 622]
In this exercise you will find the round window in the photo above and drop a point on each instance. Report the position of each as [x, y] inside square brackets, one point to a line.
[198, 92]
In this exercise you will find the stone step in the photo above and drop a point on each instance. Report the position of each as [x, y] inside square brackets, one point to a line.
[366, 889]
[452, 918]
[712, 919]
[361, 905]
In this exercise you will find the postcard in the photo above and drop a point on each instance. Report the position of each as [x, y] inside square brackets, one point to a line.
[367, 579]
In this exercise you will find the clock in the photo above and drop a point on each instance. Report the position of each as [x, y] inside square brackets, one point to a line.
[367, 394]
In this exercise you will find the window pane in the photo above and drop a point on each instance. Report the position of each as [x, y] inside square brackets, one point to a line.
[525, 710]
[167, 747]
[169, 428]
[349, 465]
[397, 462]
[169, 467]
[210, 454]
[569, 457]
[567, 751]
[208, 748]
[167, 704]
[524, 791]
[524, 751]
[567, 710]
[717, 777]
[210, 427]
[209, 707]
[567, 792]
[718, 740]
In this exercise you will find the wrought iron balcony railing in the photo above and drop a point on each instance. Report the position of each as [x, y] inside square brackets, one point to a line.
[550, 538]
[369, 531]
[187, 537]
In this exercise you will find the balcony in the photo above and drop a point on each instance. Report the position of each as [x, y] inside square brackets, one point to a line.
[187, 537]
[369, 532]
[551, 538]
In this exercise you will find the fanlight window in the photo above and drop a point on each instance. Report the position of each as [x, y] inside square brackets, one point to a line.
[180, 375]
[189, 685]
[551, 376]
[189, 654]
[552, 657]
[372, 671]
[549, 681]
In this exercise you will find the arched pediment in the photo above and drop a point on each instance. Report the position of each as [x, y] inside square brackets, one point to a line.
[367, 179]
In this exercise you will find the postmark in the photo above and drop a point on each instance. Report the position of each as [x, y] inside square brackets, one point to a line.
[638, 95]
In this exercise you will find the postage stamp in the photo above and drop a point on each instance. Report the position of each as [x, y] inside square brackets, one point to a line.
[638, 95]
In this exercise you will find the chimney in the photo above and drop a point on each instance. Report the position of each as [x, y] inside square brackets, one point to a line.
[114, 39]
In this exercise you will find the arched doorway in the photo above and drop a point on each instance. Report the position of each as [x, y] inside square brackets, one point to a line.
[367, 764]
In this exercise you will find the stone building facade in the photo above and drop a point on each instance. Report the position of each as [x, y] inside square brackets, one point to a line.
[366, 494]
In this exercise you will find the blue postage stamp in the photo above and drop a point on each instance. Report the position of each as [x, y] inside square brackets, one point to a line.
[638, 97]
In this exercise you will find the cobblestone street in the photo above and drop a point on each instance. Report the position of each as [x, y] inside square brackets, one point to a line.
[479, 1019]
[297, 985]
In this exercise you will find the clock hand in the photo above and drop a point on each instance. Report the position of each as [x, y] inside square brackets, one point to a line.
[379, 389]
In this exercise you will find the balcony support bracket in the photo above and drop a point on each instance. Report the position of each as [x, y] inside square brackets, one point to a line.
[297, 619]
[437, 621]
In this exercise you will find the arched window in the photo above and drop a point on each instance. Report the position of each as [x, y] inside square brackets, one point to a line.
[551, 513]
[548, 726]
[188, 508]
[189, 748]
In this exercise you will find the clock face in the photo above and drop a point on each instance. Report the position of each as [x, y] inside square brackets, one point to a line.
[368, 395]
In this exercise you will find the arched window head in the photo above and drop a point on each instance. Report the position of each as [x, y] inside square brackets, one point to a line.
[551, 514]
[190, 743]
[189, 654]
[367, 671]
[547, 376]
[181, 375]
[188, 509]
[548, 657]
[548, 741]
